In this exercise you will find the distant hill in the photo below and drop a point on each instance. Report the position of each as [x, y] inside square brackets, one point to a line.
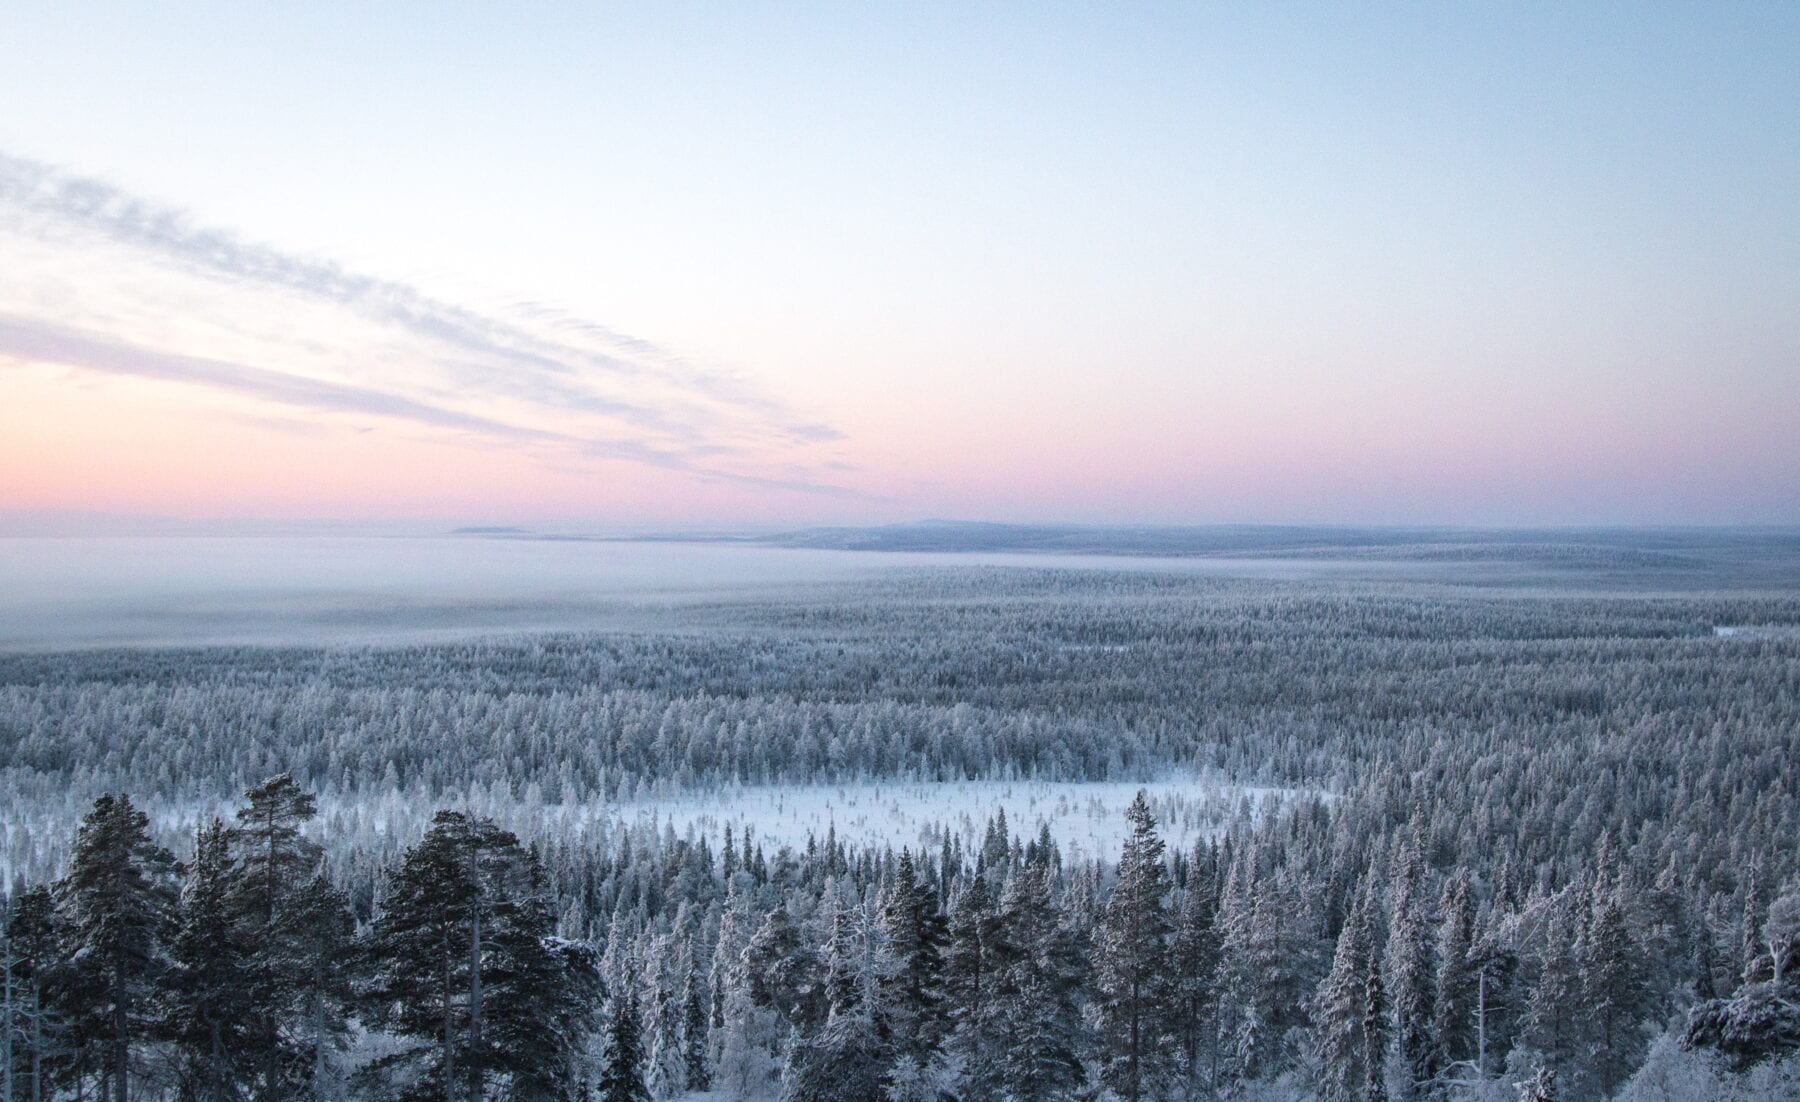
[1609, 547]
[1557, 549]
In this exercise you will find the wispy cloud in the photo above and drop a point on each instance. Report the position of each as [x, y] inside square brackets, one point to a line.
[564, 381]
[41, 342]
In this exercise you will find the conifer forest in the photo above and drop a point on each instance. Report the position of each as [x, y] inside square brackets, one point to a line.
[1421, 829]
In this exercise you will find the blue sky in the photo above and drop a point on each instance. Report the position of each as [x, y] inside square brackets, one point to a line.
[1414, 263]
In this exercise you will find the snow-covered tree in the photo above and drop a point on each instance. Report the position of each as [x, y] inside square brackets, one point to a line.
[1349, 1013]
[622, 1077]
[1132, 977]
[117, 909]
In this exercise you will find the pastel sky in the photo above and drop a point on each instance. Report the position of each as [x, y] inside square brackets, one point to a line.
[591, 265]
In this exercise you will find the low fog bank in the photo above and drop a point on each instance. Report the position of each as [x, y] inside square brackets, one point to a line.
[63, 592]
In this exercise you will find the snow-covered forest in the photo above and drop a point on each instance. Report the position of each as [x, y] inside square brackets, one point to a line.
[1403, 838]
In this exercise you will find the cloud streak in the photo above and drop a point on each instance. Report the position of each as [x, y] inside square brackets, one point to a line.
[549, 368]
[39, 342]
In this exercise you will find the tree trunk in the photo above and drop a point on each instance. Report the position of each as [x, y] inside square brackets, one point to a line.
[37, 1042]
[121, 1049]
[6, 1039]
[475, 1005]
[1133, 1084]
[449, 1041]
[1481, 1026]
[270, 1057]
[318, 1017]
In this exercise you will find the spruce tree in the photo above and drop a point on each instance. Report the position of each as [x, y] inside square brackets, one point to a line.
[1612, 989]
[845, 1061]
[694, 1033]
[1453, 1008]
[1497, 1014]
[969, 973]
[1031, 1016]
[1132, 989]
[1540, 1087]
[782, 971]
[1194, 954]
[1411, 972]
[912, 989]
[541, 992]
[1376, 1032]
[1244, 1002]
[1553, 1013]
[1341, 1018]
[665, 971]
[622, 1079]
[324, 953]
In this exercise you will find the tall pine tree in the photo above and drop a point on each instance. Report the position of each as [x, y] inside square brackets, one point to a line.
[279, 917]
[1132, 988]
[211, 1007]
[117, 906]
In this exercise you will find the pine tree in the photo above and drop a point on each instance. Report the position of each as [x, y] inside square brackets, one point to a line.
[211, 1005]
[464, 962]
[622, 1079]
[117, 906]
[34, 956]
[274, 870]
[541, 991]
[1131, 965]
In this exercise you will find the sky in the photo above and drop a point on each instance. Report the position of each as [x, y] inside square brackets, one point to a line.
[595, 267]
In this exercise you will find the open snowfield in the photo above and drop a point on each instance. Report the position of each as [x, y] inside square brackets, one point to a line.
[1085, 819]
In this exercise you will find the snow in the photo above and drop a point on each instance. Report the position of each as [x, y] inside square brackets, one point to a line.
[1086, 819]
[1757, 631]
